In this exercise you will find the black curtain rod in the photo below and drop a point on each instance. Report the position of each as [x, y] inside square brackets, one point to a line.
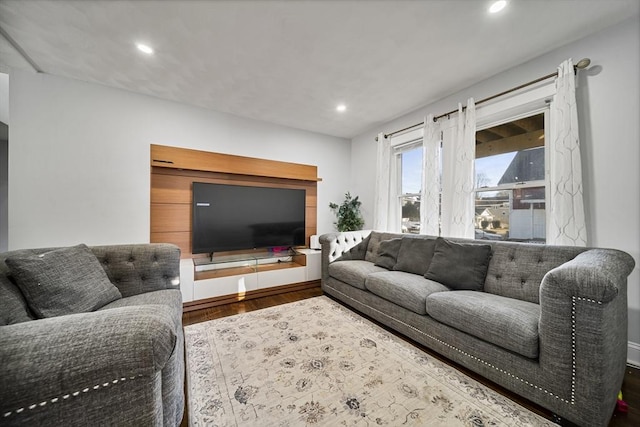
[583, 63]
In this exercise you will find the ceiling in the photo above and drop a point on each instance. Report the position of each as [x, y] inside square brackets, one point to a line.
[517, 135]
[292, 62]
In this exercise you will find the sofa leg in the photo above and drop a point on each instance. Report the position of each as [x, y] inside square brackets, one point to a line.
[561, 421]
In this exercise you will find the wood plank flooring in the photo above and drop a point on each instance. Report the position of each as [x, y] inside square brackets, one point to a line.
[630, 387]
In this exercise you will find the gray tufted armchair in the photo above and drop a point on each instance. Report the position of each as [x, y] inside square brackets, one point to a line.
[122, 364]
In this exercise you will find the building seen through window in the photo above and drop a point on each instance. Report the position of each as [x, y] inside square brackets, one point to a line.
[510, 201]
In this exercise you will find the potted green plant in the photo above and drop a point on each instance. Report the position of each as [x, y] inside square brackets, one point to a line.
[348, 214]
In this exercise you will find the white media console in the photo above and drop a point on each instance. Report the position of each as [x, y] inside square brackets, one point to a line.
[232, 277]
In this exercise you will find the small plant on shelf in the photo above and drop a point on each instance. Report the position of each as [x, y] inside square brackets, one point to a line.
[348, 214]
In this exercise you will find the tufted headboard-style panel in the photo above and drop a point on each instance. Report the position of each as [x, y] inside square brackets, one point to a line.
[339, 243]
[139, 268]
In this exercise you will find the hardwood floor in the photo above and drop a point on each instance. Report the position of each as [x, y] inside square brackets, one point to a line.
[630, 386]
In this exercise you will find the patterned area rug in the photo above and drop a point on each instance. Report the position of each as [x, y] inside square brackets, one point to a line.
[314, 362]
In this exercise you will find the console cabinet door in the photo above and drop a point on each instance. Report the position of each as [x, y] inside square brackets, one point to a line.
[220, 286]
[287, 276]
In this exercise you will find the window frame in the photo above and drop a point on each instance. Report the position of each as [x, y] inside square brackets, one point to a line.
[521, 112]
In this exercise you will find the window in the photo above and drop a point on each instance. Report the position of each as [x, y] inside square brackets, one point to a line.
[510, 195]
[510, 181]
[409, 167]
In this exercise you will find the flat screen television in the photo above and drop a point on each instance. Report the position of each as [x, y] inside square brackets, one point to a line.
[234, 217]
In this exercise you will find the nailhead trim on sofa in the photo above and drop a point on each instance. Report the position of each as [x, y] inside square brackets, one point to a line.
[573, 346]
[69, 395]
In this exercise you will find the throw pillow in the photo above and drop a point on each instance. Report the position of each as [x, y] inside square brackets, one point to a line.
[357, 252]
[62, 281]
[459, 266]
[388, 253]
[415, 255]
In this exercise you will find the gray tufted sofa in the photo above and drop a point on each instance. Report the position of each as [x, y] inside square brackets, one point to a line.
[120, 365]
[550, 323]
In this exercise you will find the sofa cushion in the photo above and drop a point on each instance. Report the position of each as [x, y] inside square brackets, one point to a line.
[388, 253]
[375, 238]
[13, 307]
[404, 289]
[459, 265]
[415, 255]
[354, 272]
[62, 281]
[508, 323]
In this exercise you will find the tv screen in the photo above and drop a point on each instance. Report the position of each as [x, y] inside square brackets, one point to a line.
[233, 217]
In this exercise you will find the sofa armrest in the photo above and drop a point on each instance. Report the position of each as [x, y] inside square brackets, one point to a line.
[74, 358]
[140, 268]
[596, 274]
[583, 327]
[334, 245]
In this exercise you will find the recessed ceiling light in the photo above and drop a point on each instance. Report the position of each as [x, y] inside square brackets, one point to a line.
[144, 48]
[497, 6]
[341, 108]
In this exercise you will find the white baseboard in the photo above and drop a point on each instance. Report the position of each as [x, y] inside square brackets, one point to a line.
[633, 354]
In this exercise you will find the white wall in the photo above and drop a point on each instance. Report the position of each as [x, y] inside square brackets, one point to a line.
[4, 98]
[79, 158]
[4, 160]
[608, 97]
[4, 191]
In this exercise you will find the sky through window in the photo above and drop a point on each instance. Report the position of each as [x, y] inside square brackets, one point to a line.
[491, 169]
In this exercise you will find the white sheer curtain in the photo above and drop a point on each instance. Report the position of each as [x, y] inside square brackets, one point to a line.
[566, 217]
[430, 197]
[458, 171]
[381, 208]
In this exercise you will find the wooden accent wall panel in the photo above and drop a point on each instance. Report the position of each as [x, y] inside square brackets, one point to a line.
[182, 158]
[171, 186]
